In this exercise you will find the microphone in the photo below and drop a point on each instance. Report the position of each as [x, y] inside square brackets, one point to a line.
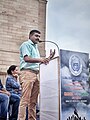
[40, 41]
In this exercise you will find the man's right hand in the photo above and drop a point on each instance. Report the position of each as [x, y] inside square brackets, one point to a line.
[45, 61]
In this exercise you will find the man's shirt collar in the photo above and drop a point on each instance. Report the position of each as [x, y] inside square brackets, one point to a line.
[30, 41]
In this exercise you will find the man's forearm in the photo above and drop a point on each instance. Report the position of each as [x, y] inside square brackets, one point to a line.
[32, 60]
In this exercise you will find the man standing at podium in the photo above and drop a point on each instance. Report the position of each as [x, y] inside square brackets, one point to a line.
[29, 66]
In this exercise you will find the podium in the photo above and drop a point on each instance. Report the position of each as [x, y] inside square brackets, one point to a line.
[49, 90]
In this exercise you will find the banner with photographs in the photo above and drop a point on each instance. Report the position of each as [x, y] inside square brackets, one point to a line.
[75, 85]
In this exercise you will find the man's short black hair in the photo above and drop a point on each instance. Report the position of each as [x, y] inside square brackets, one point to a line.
[34, 31]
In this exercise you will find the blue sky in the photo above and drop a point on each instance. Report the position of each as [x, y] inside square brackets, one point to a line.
[68, 24]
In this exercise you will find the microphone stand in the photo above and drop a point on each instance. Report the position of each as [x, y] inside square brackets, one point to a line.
[40, 41]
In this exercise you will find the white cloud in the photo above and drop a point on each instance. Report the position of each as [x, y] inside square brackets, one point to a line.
[68, 23]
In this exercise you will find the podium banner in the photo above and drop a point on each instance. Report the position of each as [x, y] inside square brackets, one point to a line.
[75, 85]
[49, 93]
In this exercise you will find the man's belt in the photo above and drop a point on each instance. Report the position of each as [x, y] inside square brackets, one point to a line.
[33, 71]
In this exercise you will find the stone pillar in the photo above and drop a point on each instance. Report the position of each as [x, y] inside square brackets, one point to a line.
[42, 23]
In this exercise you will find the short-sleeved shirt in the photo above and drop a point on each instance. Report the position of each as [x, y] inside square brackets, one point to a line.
[30, 49]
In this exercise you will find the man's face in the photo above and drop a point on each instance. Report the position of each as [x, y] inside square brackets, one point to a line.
[35, 38]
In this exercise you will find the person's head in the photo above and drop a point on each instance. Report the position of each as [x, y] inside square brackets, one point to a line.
[34, 36]
[13, 70]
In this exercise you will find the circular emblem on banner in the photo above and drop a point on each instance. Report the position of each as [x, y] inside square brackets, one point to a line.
[75, 65]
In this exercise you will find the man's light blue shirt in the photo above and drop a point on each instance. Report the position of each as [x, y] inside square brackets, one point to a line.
[30, 49]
